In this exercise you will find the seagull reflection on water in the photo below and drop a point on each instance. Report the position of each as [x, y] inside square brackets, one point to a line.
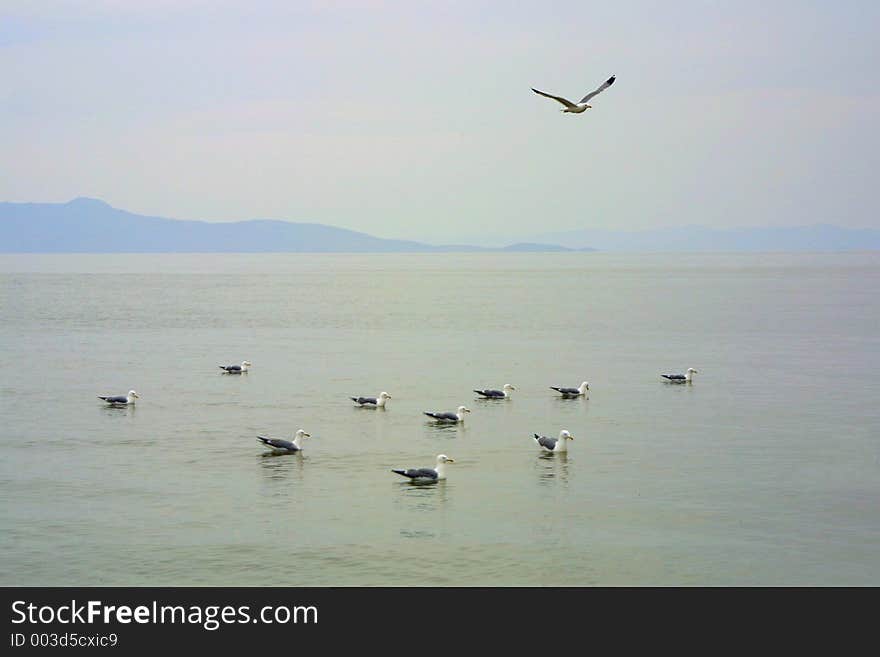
[552, 467]
[119, 409]
[445, 430]
[278, 468]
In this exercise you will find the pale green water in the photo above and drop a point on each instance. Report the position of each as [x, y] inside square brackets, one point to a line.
[765, 471]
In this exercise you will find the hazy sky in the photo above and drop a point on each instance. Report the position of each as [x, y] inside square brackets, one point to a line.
[415, 119]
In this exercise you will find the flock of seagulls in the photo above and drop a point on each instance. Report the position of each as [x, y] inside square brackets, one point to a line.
[438, 472]
[416, 475]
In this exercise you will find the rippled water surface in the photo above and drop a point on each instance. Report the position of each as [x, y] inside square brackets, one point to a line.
[765, 471]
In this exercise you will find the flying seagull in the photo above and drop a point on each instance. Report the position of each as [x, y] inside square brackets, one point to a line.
[450, 417]
[680, 378]
[554, 444]
[372, 402]
[423, 475]
[497, 394]
[121, 400]
[236, 369]
[582, 105]
[573, 392]
[279, 446]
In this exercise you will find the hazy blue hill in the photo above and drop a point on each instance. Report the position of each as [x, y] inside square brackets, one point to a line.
[527, 247]
[819, 237]
[90, 225]
[86, 225]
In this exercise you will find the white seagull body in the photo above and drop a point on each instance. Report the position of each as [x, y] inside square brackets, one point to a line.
[554, 444]
[427, 475]
[681, 378]
[127, 400]
[372, 402]
[450, 417]
[577, 108]
[573, 392]
[279, 446]
[504, 393]
[236, 369]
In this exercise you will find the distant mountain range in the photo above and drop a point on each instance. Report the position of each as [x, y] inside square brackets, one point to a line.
[86, 225]
[819, 237]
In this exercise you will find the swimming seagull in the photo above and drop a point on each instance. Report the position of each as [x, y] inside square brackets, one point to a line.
[372, 402]
[279, 446]
[582, 105]
[554, 444]
[450, 417]
[680, 378]
[496, 394]
[120, 400]
[572, 392]
[423, 475]
[236, 369]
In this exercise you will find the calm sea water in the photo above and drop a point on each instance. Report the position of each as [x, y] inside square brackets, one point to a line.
[765, 471]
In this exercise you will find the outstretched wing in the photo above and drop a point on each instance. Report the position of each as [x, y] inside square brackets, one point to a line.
[567, 103]
[601, 88]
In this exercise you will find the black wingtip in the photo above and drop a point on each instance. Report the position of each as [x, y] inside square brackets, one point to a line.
[612, 79]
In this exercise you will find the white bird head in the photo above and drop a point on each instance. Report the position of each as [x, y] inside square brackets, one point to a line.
[384, 395]
[691, 370]
[246, 364]
[442, 458]
[508, 387]
[132, 393]
[565, 435]
[463, 409]
[300, 434]
[584, 387]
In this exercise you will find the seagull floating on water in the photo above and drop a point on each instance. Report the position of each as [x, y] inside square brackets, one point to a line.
[372, 402]
[497, 394]
[279, 446]
[577, 108]
[423, 475]
[554, 444]
[236, 369]
[120, 400]
[450, 417]
[572, 392]
[680, 378]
